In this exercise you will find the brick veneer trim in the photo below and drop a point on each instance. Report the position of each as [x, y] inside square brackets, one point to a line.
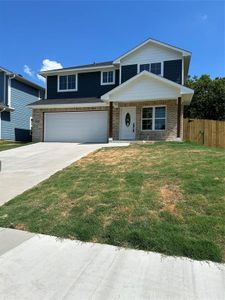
[38, 119]
[171, 120]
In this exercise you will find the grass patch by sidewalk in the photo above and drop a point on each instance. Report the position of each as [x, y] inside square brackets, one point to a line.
[167, 197]
[6, 145]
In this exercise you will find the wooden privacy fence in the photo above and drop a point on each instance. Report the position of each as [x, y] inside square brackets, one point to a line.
[206, 132]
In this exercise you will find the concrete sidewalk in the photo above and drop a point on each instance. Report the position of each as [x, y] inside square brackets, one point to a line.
[25, 167]
[43, 267]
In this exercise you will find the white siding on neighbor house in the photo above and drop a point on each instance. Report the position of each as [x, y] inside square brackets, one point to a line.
[151, 53]
[145, 89]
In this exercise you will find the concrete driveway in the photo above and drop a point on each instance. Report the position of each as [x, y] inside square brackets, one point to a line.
[24, 167]
[43, 267]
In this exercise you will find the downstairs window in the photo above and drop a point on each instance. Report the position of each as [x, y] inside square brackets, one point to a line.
[154, 118]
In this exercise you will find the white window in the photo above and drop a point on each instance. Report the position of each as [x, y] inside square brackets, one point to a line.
[155, 68]
[154, 118]
[67, 83]
[107, 77]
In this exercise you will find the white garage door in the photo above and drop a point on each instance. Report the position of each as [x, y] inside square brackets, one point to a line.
[82, 127]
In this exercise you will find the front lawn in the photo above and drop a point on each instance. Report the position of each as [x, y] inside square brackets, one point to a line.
[6, 145]
[164, 197]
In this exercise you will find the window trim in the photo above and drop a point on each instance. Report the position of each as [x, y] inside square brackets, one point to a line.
[149, 63]
[153, 118]
[67, 90]
[108, 83]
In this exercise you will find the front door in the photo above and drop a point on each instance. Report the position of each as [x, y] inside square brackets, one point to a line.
[127, 123]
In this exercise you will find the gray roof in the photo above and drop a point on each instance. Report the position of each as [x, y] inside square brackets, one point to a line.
[67, 101]
[100, 64]
[22, 79]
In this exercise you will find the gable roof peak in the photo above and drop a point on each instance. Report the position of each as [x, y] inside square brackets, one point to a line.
[154, 41]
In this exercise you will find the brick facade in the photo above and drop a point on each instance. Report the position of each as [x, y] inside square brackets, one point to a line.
[169, 134]
[171, 120]
[38, 119]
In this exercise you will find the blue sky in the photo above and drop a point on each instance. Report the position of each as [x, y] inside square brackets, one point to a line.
[79, 32]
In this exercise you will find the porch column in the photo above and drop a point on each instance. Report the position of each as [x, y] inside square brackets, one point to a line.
[110, 119]
[178, 116]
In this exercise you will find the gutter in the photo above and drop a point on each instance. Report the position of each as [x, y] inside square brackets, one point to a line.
[49, 106]
[5, 108]
[75, 70]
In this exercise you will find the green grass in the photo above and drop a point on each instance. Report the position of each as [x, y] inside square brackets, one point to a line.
[164, 197]
[6, 145]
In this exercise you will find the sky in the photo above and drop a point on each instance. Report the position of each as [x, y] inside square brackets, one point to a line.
[41, 35]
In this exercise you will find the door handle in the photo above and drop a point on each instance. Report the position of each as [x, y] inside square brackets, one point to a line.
[133, 127]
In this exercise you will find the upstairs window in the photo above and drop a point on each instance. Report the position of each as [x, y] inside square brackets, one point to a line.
[154, 118]
[155, 68]
[67, 83]
[107, 77]
[145, 67]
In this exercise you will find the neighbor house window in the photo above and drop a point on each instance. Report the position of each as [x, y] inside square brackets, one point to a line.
[154, 118]
[67, 83]
[155, 68]
[107, 77]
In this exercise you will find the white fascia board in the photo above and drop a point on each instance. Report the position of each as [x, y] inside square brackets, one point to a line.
[183, 89]
[48, 106]
[184, 52]
[75, 70]
[142, 100]
[186, 91]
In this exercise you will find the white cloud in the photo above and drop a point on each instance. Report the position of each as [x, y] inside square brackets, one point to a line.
[48, 64]
[203, 17]
[28, 70]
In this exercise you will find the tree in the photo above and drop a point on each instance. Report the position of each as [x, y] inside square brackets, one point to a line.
[209, 98]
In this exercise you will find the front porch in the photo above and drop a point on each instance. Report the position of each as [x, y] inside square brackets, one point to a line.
[171, 131]
[147, 107]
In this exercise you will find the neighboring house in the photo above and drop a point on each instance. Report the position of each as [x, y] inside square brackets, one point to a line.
[138, 96]
[16, 93]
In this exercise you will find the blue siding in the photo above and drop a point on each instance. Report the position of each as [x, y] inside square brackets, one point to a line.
[89, 85]
[173, 70]
[127, 72]
[2, 80]
[6, 89]
[16, 124]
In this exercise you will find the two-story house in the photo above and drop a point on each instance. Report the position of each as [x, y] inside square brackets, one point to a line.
[138, 96]
[16, 93]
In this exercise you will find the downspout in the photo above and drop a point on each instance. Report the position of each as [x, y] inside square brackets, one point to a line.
[1, 122]
[11, 76]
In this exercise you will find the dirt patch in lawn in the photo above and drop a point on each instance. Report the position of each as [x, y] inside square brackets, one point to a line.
[21, 227]
[165, 197]
[170, 195]
[110, 157]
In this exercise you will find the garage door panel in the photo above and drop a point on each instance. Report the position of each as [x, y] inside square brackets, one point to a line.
[80, 127]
